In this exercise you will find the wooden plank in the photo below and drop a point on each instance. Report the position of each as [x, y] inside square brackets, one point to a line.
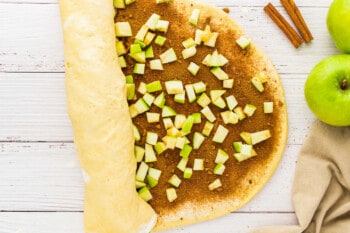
[47, 177]
[32, 41]
[73, 223]
[33, 108]
[248, 3]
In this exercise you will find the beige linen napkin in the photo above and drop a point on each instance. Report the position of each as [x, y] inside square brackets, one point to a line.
[321, 189]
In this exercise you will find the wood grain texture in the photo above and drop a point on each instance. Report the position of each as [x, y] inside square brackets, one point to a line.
[72, 223]
[47, 177]
[33, 42]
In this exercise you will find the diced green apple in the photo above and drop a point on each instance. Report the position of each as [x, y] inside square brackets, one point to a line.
[119, 4]
[149, 52]
[220, 134]
[221, 156]
[260, 136]
[135, 48]
[180, 98]
[128, 2]
[145, 194]
[156, 64]
[151, 138]
[220, 103]
[199, 87]
[151, 181]
[141, 106]
[191, 95]
[162, 26]
[197, 118]
[139, 57]
[148, 98]
[212, 40]
[136, 132]
[228, 83]
[193, 20]
[198, 165]
[170, 141]
[187, 125]
[193, 68]
[215, 184]
[206, 111]
[130, 91]
[246, 137]
[204, 100]
[160, 40]
[243, 42]
[258, 84]
[174, 132]
[140, 35]
[171, 194]
[142, 88]
[216, 94]
[139, 184]
[122, 29]
[121, 50]
[152, 117]
[139, 68]
[154, 173]
[168, 56]
[152, 21]
[219, 169]
[149, 38]
[160, 147]
[188, 173]
[139, 153]
[122, 62]
[237, 146]
[142, 171]
[219, 73]
[168, 111]
[182, 164]
[239, 112]
[168, 123]
[174, 87]
[249, 109]
[186, 151]
[208, 127]
[198, 36]
[241, 157]
[180, 142]
[174, 181]
[268, 107]
[188, 43]
[189, 52]
[150, 155]
[129, 79]
[179, 120]
[133, 111]
[246, 149]
[198, 139]
[159, 101]
[231, 102]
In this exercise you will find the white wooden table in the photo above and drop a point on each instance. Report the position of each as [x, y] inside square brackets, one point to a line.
[41, 187]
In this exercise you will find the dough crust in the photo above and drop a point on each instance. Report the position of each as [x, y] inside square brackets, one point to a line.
[97, 107]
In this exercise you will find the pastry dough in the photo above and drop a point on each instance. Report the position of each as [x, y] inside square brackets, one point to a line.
[100, 118]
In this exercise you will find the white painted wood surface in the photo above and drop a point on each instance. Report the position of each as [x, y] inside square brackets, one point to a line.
[41, 186]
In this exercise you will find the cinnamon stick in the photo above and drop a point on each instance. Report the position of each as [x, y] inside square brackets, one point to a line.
[282, 23]
[295, 14]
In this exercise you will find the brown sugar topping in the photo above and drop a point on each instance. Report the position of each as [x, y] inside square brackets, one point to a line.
[239, 68]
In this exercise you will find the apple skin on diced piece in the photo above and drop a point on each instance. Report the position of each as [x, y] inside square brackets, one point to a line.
[206, 111]
[221, 156]
[160, 40]
[187, 173]
[215, 184]
[171, 194]
[136, 132]
[168, 56]
[174, 87]
[152, 117]
[150, 155]
[151, 181]
[182, 164]
[145, 194]
[160, 147]
[203, 100]
[180, 98]
[194, 17]
[123, 29]
[139, 184]
[220, 134]
[258, 84]
[139, 68]
[243, 42]
[186, 151]
[168, 111]
[219, 169]
[174, 181]
[142, 171]
[208, 127]
[160, 100]
[219, 73]
[198, 139]
[191, 95]
[260, 136]
[119, 4]
[187, 125]
[139, 153]
[193, 68]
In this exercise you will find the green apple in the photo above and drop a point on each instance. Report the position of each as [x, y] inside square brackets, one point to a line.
[338, 21]
[327, 90]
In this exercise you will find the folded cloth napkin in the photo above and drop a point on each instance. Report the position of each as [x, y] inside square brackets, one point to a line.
[321, 189]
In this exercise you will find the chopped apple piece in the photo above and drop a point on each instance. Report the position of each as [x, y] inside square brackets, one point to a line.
[142, 171]
[221, 156]
[160, 147]
[268, 107]
[180, 143]
[151, 138]
[198, 36]
[239, 112]
[204, 100]
[215, 184]
[160, 40]
[246, 137]
[152, 21]
[228, 83]
[139, 68]
[122, 29]
[260, 136]
[193, 68]
[152, 117]
[168, 56]
[148, 98]
[150, 155]
[199, 87]
[249, 109]
[128, 2]
[219, 73]
[186, 151]
[139, 153]
[133, 111]
[206, 34]
[257, 84]
[206, 61]
[129, 79]
[145, 194]
[121, 50]
[225, 116]
[241, 157]
[198, 165]
[174, 132]
[243, 42]
[219, 169]
[141, 106]
[197, 117]
[130, 91]
[231, 102]
[180, 98]
[233, 118]
[216, 94]
[136, 132]
[168, 111]
[162, 26]
[135, 48]
[188, 43]
[208, 127]
[189, 52]
[194, 17]
[119, 4]
[237, 146]
[171, 194]
[151, 181]
[170, 142]
[212, 40]
[179, 120]
[246, 149]
[149, 38]
[139, 57]
[142, 88]
[174, 87]
[220, 103]
[198, 139]
[168, 123]
[188, 173]
[160, 100]
[139, 184]
[140, 35]
[156, 64]
[206, 111]
[174, 181]
[190, 93]
[187, 125]
[149, 52]
[220, 134]
[182, 164]
[154, 173]
[122, 62]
